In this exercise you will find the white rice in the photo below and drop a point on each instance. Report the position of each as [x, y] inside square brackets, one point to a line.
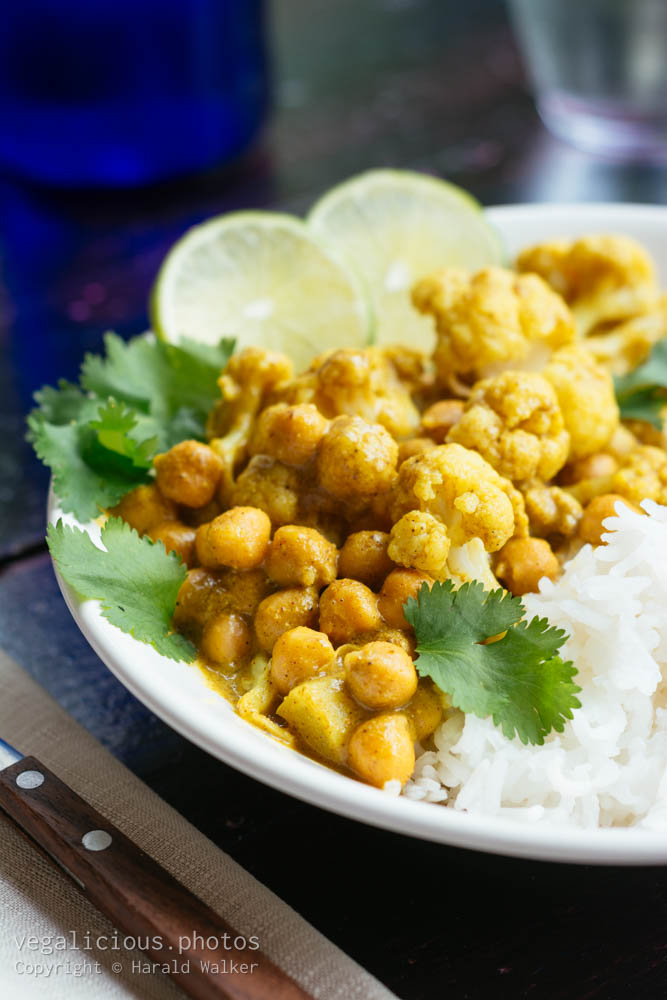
[609, 765]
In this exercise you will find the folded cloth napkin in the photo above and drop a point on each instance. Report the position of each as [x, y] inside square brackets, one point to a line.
[54, 944]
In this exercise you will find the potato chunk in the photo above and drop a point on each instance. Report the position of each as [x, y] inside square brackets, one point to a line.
[323, 715]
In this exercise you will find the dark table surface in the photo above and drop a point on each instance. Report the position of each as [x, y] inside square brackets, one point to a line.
[426, 84]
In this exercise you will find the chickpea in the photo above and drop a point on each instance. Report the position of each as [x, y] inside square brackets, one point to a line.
[592, 467]
[195, 596]
[438, 419]
[298, 655]
[189, 473]
[206, 593]
[398, 637]
[591, 528]
[522, 562]
[414, 446]
[227, 639]
[399, 585]
[348, 609]
[364, 557]
[425, 710]
[301, 556]
[380, 675]
[289, 433]
[178, 538]
[238, 538]
[381, 750]
[282, 611]
[245, 589]
[145, 508]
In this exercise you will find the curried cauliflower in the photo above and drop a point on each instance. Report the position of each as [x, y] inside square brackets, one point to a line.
[356, 460]
[272, 487]
[628, 344]
[245, 383]
[492, 320]
[585, 393]
[602, 278]
[552, 511]
[643, 476]
[420, 541]
[464, 492]
[514, 421]
[356, 383]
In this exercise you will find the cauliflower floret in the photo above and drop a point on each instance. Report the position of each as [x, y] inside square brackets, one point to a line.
[272, 487]
[585, 393]
[643, 476]
[463, 491]
[356, 383]
[628, 344]
[414, 368]
[492, 320]
[646, 433]
[471, 562]
[552, 511]
[420, 541]
[356, 460]
[245, 383]
[602, 278]
[514, 421]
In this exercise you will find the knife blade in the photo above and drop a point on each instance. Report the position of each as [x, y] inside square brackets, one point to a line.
[139, 896]
[8, 755]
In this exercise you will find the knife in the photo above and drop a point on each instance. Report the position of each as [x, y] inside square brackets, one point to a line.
[139, 896]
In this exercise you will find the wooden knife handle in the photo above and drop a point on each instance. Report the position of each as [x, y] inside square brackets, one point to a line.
[142, 899]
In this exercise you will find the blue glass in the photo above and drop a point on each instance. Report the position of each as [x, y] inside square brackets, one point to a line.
[127, 92]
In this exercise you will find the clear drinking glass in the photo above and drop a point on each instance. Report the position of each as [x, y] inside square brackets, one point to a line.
[599, 68]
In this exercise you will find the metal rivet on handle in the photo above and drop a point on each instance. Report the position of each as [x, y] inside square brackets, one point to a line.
[96, 840]
[30, 779]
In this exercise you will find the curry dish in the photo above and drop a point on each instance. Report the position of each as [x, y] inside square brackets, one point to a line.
[325, 498]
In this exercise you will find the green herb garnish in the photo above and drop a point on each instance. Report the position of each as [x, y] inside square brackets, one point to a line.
[642, 393]
[518, 679]
[135, 580]
[99, 438]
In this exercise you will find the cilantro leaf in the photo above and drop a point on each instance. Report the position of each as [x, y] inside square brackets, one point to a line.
[100, 438]
[173, 383]
[642, 393]
[113, 427]
[518, 679]
[83, 480]
[135, 580]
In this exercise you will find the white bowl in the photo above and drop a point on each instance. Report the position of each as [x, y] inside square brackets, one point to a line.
[178, 693]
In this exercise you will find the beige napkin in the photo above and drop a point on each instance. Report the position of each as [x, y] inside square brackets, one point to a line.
[38, 902]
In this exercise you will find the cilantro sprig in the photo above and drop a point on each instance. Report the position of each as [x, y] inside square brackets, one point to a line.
[135, 580]
[642, 393]
[99, 437]
[519, 679]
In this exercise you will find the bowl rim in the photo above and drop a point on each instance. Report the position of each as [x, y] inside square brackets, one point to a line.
[198, 718]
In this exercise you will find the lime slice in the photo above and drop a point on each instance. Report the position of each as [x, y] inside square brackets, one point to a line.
[393, 227]
[263, 278]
